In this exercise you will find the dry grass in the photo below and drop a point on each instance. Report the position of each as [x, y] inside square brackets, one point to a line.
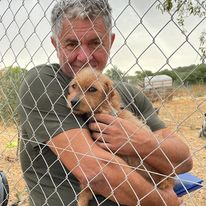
[182, 114]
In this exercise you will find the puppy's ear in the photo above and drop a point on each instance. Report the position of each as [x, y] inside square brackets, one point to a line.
[113, 95]
[109, 89]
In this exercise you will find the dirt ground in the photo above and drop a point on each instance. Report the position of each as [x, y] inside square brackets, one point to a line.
[185, 115]
[182, 114]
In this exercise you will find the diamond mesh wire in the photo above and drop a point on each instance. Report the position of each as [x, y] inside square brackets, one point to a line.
[146, 40]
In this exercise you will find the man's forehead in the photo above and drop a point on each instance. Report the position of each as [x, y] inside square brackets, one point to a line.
[87, 37]
[84, 26]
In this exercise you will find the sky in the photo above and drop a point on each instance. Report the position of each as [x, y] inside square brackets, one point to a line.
[145, 39]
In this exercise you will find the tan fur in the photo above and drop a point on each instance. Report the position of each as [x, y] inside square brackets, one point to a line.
[93, 92]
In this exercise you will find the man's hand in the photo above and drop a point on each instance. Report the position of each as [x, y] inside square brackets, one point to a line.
[118, 135]
[163, 149]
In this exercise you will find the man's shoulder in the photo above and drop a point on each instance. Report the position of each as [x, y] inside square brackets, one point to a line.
[127, 89]
[45, 73]
[43, 69]
[132, 95]
[47, 66]
[42, 77]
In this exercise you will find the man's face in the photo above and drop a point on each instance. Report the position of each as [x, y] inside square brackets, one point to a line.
[83, 43]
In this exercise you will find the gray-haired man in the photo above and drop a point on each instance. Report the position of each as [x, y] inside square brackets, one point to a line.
[58, 150]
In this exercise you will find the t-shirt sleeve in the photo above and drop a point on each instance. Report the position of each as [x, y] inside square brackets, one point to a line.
[147, 111]
[141, 106]
[43, 108]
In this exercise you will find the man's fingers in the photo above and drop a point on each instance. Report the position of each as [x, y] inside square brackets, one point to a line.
[98, 127]
[104, 118]
[99, 136]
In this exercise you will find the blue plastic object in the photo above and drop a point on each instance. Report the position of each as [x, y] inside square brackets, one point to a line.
[186, 183]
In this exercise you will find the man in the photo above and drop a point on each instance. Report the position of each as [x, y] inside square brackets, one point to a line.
[58, 149]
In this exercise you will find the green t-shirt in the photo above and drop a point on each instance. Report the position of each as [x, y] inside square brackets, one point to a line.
[44, 114]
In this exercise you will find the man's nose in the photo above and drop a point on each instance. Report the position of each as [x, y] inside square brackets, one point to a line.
[85, 54]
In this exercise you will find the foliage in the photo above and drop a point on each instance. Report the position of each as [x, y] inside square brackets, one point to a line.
[189, 75]
[203, 45]
[116, 74]
[193, 74]
[141, 75]
[10, 80]
[184, 9]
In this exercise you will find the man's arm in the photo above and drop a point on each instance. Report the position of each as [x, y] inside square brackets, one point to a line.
[169, 153]
[110, 176]
[163, 149]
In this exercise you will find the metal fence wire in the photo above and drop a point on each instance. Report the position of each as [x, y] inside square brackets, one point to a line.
[148, 41]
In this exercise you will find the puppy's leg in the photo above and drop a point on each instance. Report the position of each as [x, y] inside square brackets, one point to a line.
[84, 197]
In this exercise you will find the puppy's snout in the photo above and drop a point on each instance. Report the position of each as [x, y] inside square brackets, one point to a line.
[74, 102]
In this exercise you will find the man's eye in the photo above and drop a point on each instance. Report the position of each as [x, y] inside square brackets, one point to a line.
[92, 89]
[72, 45]
[96, 44]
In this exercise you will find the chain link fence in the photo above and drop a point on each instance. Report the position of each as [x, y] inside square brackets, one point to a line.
[148, 41]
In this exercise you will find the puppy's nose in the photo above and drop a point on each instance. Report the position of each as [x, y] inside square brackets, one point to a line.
[74, 102]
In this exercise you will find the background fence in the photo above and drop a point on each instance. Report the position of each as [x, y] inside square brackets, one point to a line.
[148, 41]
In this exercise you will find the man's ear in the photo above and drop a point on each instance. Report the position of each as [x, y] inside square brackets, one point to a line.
[112, 38]
[56, 46]
[53, 41]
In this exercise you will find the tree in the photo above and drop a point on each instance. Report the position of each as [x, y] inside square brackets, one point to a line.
[141, 75]
[192, 74]
[185, 8]
[10, 80]
[116, 74]
[168, 73]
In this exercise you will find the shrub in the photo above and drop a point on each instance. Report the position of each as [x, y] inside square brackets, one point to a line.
[10, 80]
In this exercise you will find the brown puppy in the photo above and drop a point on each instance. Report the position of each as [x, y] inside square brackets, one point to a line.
[92, 92]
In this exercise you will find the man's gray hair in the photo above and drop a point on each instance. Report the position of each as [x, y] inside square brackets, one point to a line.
[80, 9]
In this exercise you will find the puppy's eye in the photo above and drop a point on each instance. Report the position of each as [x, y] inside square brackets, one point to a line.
[74, 86]
[92, 89]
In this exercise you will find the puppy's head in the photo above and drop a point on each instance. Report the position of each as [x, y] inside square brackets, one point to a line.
[89, 91]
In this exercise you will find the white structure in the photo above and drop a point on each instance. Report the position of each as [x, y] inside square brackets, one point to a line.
[157, 82]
